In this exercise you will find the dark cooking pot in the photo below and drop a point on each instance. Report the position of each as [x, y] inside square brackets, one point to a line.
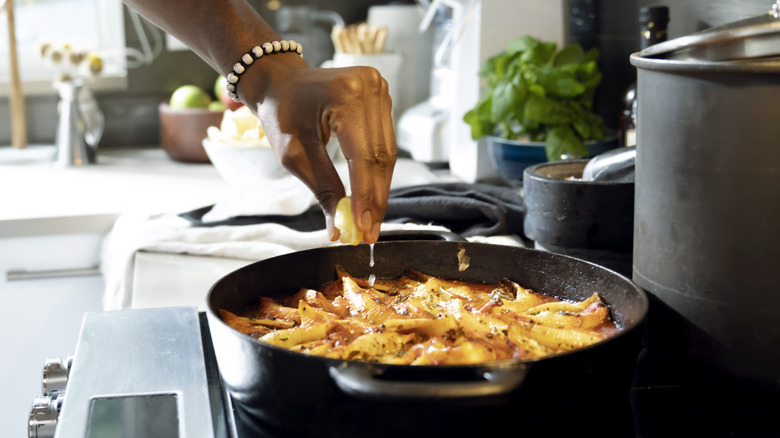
[298, 395]
[707, 202]
[591, 220]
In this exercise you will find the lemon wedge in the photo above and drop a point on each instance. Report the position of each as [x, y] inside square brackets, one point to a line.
[345, 222]
[241, 124]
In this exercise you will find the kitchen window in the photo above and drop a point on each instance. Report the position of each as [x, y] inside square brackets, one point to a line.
[88, 25]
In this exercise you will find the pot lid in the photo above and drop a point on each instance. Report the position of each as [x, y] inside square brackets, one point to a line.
[756, 37]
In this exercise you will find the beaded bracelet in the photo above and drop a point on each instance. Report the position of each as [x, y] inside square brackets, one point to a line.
[251, 56]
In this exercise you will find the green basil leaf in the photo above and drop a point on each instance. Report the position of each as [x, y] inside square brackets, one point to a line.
[548, 111]
[586, 69]
[546, 50]
[489, 66]
[591, 55]
[562, 140]
[478, 118]
[505, 131]
[526, 43]
[592, 81]
[539, 55]
[582, 127]
[505, 97]
[572, 54]
[565, 87]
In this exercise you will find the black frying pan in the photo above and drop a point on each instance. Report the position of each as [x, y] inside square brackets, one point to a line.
[585, 391]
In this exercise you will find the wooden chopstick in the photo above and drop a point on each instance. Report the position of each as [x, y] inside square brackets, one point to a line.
[359, 38]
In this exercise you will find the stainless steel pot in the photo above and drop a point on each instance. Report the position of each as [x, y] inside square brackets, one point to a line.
[707, 202]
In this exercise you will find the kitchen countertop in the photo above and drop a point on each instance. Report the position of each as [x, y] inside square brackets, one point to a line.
[39, 198]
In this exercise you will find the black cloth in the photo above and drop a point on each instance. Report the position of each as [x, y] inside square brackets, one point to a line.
[469, 209]
[466, 209]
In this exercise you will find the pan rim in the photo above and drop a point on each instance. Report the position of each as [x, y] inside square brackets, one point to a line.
[642, 304]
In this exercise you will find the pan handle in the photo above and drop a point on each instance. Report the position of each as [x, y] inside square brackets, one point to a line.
[365, 382]
[429, 235]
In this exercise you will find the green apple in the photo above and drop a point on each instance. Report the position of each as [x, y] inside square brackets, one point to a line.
[219, 86]
[189, 96]
[217, 106]
[220, 92]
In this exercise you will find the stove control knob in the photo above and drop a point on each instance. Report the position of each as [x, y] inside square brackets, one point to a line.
[55, 375]
[44, 414]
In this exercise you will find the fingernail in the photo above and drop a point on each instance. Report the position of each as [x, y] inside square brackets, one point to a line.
[366, 220]
[375, 231]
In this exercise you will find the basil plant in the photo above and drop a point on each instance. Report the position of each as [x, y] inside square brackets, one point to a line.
[539, 94]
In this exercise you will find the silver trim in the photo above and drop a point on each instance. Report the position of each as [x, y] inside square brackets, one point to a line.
[21, 275]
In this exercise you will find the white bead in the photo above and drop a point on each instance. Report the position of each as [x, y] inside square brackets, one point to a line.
[232, 78]
[257, 51]
[268, 48]
[299, 49]
[247, 59]
[238, 68]
[230, 87]
[293, 45]
[285, 46]
[277, 46]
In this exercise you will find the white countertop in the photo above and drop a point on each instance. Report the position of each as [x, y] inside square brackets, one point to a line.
[172, 280]
[37, 197]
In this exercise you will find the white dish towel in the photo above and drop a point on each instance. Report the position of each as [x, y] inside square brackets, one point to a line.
[168, 233]
[282, 196]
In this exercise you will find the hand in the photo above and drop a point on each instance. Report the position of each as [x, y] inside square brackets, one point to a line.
[299, 107]
[301, 110]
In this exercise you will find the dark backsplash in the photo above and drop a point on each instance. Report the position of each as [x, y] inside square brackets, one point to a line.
[131, 114]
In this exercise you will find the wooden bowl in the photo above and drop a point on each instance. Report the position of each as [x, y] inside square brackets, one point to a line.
[182, 132]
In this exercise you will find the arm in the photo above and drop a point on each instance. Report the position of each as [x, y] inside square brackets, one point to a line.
[299, 107]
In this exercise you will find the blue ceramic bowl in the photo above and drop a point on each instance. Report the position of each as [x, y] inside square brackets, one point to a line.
[511, 157]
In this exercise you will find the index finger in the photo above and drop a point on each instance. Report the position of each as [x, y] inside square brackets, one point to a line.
[368, 144]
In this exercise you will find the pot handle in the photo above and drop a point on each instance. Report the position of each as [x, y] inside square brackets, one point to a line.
[429, 235]
[366, 382]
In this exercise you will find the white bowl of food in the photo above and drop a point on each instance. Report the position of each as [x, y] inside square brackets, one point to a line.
[241, 153]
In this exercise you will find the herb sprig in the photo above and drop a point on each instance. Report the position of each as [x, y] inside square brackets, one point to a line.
[539, 94]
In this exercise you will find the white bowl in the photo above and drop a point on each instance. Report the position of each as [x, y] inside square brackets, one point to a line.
[241, 165]
[244, 165]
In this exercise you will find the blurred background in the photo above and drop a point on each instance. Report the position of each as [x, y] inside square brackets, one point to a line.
[158, 65]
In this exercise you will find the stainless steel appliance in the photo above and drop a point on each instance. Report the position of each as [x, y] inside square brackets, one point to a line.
[147, 372]
[153, 373]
